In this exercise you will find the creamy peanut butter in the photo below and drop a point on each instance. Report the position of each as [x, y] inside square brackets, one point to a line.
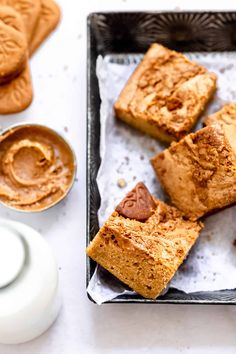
[36, 167]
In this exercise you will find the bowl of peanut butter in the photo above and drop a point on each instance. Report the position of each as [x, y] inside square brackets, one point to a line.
[37, 167]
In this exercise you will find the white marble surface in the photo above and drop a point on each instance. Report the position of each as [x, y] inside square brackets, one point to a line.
[59, 75]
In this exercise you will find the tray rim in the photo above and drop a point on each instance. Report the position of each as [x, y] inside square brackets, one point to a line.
[123, 299]
[107, 12]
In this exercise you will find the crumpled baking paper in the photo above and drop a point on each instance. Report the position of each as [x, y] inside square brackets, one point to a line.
[125, 154]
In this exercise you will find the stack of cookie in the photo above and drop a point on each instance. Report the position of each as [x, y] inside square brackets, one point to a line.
[24, 24]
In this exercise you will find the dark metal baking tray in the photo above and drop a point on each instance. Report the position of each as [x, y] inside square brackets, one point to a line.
[133, 32]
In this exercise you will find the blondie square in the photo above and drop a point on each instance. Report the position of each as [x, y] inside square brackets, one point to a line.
[199, 172]
[144, 242]
[165, 95]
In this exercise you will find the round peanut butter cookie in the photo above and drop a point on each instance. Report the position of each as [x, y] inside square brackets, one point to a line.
[49, 18]
[29, 10]
[13, 45]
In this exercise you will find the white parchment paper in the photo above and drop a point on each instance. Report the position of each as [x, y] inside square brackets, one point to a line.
[125, 155]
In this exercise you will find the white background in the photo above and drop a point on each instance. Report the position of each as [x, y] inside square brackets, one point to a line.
[59, 77]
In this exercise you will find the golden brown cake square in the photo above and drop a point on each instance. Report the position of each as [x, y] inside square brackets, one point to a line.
[199, 172]
[166, 94]
[144, 242]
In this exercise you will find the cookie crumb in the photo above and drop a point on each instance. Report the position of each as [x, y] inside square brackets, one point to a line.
[234, 242]
[152, 149]
[121, 183]
[184, 268]
[227, 67]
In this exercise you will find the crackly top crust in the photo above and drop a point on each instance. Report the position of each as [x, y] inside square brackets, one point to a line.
[164, 225]
[199, 172]
[168, 90]
[160, 232]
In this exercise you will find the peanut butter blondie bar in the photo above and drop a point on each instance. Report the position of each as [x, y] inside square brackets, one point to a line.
[165, 95]
[144, 242]
[199, 172]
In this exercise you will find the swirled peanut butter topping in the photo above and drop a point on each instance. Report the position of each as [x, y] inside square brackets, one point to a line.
[36, 167]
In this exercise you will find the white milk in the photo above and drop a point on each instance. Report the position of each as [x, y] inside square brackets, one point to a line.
[29, 296]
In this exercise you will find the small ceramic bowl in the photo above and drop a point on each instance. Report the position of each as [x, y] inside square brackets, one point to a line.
[73, 156]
